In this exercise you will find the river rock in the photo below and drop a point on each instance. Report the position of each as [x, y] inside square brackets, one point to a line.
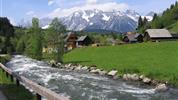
[103, 72]
[72, 68]
[98, 70]
[161, 87]
[154, 82]
[92, 68]
[52, 62]
[78, 68]
[58, 64]
[134, 77]
[142, 77]
[94, 71]
[85, 68]
[146, 80]
[67, 66]
[125, 77]
[113, 73]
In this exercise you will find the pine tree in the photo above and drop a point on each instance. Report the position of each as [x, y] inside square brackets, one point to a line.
[145, 21]
[7, 32]
[172, 6]
[140, 22]
[155, 16]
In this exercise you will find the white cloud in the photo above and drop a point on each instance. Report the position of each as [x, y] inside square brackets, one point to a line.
[91, 1]
[50, 2]
[12, 21]
[109, 6]
[30, 13]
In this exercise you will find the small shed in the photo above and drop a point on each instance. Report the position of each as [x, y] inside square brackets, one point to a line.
[84, 41]
[157, 35]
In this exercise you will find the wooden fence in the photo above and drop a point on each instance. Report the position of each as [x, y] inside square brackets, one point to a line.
[38, 89]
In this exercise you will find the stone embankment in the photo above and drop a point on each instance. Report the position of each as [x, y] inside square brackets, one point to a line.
[113, 74]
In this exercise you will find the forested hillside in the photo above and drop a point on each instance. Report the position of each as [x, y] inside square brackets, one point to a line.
[168, 19]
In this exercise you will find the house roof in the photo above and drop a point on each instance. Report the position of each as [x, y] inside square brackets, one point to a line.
[68, 35]
[130, 36]
[82, 38]
[158, 33]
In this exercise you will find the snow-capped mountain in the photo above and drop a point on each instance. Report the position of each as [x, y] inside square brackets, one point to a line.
[116, 21]
[149, 16]
[99, 20]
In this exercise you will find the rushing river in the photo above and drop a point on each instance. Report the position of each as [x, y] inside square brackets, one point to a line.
[80, 85]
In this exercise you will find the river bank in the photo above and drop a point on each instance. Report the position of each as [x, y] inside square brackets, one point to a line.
[113, 74]
[157, 61]
[9, 88]
[80, 85]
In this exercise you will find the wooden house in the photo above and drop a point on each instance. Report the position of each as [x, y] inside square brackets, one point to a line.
[157, 35]
[131, 37]
[71, 41]
[84, 41]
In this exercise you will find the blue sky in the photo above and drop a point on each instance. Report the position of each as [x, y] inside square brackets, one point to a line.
[16, 10]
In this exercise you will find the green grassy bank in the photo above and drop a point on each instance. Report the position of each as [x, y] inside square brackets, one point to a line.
[155, 60]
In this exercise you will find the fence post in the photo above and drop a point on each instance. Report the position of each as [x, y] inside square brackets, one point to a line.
[12, 79]
[17, 82]
[7, 75]
[38, 97]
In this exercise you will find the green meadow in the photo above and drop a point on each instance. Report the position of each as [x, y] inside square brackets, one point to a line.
[156, 60]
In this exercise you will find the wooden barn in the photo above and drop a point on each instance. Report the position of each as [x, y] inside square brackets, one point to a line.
[71, 41]
[131, 37]
[157, 35]
[84, 41]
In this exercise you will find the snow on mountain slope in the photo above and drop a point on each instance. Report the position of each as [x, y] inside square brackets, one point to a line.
[99, 20]
[106, 18]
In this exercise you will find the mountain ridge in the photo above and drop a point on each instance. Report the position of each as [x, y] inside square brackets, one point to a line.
[87, 20]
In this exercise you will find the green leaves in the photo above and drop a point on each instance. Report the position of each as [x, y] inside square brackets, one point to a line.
[6, 33]
[142, 24]
[55, 38]
[34, 45]
[169, 17]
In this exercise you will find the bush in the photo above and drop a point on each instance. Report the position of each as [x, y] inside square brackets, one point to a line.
[5, 58]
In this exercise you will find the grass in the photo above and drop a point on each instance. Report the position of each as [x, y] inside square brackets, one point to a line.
[155, 60]
[5, 58]
[10, 89]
